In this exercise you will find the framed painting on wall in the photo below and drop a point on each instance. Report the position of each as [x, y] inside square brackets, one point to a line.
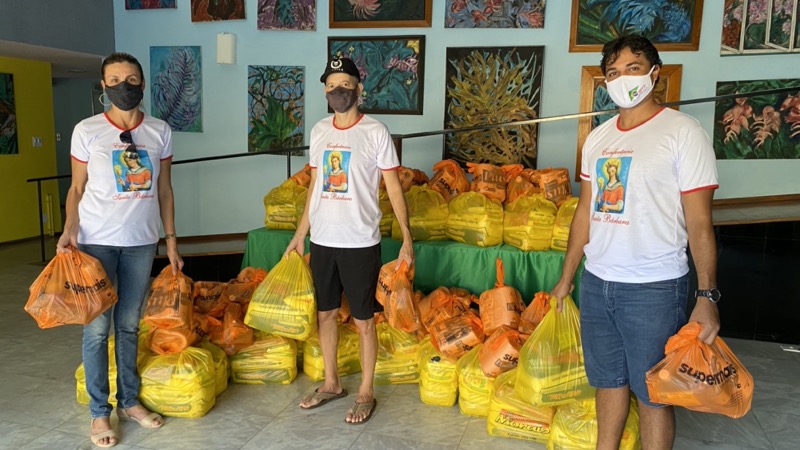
[392, 71]
[176, 87]
[493, 85]
[149, 4]
[594, 97]
[494, 14]
[759, 26]
[276, 102]
[287, 15]
[210, 10]
[758, 127]
[9, 145]
[379, 13]
[669, 24]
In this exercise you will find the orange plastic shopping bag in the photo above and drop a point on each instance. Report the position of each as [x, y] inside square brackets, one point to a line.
[501, 305]
[170, 303]
[534, 313]
[449, 179]
[701, 377]
[72, 289]
[401, 307]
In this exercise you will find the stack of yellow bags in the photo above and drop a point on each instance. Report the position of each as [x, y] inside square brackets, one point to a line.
[474, 387]
[528, 222]
[180, 384]
[438, 378]
[427, 215]
[347, 358]
[511, 416]
[270, 360]
[475, 220]
[575, 427]
[397, 356]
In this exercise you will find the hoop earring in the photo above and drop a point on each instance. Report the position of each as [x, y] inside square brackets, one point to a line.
[100, 99]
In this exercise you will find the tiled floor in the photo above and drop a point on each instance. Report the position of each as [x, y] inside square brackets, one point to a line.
[38, 408]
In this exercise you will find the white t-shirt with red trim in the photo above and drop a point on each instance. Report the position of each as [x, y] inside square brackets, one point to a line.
[343, 210]
[637, 230]
[120, 206]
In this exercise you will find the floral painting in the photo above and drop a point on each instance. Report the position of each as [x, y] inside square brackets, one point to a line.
[760, 26]
[276, 101]
[758, 127]
[487, 85]
[391, 68]
[380, 13]
[209, 10]
[287, 15]
[669, 24]
[149, 4]
[8, 116]
[494, 14]
[176, 87]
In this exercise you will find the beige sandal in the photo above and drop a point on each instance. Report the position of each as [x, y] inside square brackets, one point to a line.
[148, 421]
[110, 434]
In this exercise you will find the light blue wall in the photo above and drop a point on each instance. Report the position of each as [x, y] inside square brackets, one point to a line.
[226, 196]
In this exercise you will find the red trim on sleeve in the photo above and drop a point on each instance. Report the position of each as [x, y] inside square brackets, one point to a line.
[391, 169]
[79, 160]
[122, 129]
[637, 126]
[313, 167]
[701, 188]
[351, 126]
[167, 158]
[585, 176]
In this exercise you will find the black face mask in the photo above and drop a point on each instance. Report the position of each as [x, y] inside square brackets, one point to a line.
[342, 99]
[125, 96]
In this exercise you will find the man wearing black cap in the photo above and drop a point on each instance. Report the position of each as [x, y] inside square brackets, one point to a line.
[352, 150]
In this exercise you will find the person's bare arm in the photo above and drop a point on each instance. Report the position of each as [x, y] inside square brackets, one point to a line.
[298, 242]
[166, 202]
[69, 235]
[578, 238]
[398, 201]
[703, 246]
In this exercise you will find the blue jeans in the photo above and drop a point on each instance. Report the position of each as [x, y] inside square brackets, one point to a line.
[129, 269]
[624, 327]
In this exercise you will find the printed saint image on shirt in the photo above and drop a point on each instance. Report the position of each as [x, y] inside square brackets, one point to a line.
[612, 181]
[335, 170]
[133, 170]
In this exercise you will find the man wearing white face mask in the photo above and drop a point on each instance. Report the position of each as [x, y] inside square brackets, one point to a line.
[647, 180]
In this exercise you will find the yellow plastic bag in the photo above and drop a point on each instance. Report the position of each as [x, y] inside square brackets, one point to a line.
[397, 356]
[284, 206]
[427, 215]
[270, 360]
[474, 387]
[222, 367]
[475, 220]
[575, 427]
[551, 368]
[528, 223]
[348, 358]
[179, 385]
[564, 216]
[512, 417]
[438, 377]
[284, 303]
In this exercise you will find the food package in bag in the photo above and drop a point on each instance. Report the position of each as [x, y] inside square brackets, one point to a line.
[427, 215]
[438, 377]
[397, 356]
[401, 309]
[510, 416]
[562, 224]
[284, 303]
[303, 176]
[475, 220]
[528, 223]
[385, 277]
[552, 183]
[206, 296]
[72, 289]
[170, 302]
[474, 387]
[574, 427]
[222, 368]
[420, 178]
[500, 352]
[449, 179]
[551, 367]
[501, 305]
[458, 335]
[488, 180]
[701, 377]
[269, 360]
[534, 313]
[241, 289]
[442, 304]
[284, 206]
[179, 385]
[233, 334]
[347, 355]
[519, 182]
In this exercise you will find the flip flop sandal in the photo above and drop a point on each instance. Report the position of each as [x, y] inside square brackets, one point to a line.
[323, 397]
[111, 434]
[369, 407]
[148, 421]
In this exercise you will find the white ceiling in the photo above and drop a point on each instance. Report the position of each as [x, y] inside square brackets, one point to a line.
[63, 63]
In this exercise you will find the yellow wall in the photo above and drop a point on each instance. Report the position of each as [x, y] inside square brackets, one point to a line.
[33, 95]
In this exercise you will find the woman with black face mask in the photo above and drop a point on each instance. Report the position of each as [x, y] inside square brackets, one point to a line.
[118, 225]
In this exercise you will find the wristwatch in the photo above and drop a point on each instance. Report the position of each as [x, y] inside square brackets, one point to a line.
[713, 294]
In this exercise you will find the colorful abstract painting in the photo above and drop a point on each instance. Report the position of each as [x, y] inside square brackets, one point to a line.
[493, 85]
[760, 26]
[494, 14]
[208, 10]
[380, 13]
[276, 102]
[392, 71]
[287, 15]
[9, 144]
[149, 4]
[669, 24]
[176, 87]
[758, 127]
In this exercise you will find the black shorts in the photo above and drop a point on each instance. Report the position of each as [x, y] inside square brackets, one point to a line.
[353, 269]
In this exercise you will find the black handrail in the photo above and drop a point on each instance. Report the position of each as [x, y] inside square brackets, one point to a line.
[398, 139]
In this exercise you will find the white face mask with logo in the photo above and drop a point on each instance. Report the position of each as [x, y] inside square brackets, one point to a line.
[628, 91]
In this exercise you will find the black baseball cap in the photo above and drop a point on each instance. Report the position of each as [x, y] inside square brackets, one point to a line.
[341, 65]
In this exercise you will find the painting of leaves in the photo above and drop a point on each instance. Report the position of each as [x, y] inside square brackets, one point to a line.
[494, 14]
[149, 4]
[380, 13]
[8, 116]
[176, 87]
[493, 85]
[759, 127]
[208, 10]
[287, 15]
[276, 100]
[391, 68]
[670, 24]
[759, 26]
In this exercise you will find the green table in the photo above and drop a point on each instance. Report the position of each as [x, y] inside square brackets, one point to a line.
[440, 263]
